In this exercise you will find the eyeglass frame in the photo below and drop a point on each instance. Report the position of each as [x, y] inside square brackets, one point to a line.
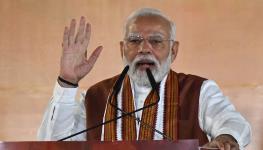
[148, 39]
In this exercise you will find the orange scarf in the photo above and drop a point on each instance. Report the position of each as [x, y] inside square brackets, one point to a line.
[128, 131]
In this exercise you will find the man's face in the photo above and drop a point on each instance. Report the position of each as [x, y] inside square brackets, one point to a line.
[147, 44]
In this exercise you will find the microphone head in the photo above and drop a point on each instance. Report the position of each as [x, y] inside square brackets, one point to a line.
[151, 79]
[126, 68]
[118, 83]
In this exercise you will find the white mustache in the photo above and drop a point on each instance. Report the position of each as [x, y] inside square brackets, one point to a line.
[159, 70]
[145, 59]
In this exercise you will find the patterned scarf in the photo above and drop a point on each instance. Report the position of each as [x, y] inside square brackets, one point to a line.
[149, 115]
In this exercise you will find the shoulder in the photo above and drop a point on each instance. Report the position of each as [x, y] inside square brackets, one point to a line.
[105, 84]
[100, 91]
[189, 78]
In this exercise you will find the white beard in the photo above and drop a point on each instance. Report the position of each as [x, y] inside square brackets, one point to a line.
[140, 77]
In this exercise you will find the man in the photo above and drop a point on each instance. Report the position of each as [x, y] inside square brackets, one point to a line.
[189, 107]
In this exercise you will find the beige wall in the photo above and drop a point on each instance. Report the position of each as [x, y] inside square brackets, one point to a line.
[219, 39]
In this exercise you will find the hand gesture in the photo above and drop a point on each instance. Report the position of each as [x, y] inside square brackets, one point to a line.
[223, 142]
[74, 64]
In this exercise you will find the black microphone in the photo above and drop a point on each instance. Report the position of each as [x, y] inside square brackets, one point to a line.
[154, 87]
[116, 87]
[118, 83]
[152, 80]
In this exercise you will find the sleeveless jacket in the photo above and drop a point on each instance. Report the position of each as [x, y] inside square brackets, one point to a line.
[189, 91]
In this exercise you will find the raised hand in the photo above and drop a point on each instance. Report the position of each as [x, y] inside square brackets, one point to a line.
[74, 64]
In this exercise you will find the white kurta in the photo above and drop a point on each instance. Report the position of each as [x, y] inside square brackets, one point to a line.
[65, 116]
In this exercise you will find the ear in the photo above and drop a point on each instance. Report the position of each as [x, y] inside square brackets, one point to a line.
[174, 50]
[122, 48]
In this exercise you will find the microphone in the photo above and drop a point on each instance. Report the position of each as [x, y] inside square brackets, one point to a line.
[118, 83]
[152, 80]
[154, 87]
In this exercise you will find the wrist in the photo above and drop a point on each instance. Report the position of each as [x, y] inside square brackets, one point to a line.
[65, 83]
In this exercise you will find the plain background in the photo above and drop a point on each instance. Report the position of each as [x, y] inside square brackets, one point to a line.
[219, 39]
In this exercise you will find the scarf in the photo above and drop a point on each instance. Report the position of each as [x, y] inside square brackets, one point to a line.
[125, 128]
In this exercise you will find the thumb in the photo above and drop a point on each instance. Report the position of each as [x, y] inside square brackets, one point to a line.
[88, 65]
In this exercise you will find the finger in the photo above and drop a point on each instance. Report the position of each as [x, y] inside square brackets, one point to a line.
[210, 145]
[87, 35]
[72, 31]
[65, 38]
[81, 32]
[92, 59]
[234, 146]
[95, 54]
[227, 146]
[219, 145]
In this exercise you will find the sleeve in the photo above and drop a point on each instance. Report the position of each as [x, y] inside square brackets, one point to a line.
[218, 116]
[63, 116]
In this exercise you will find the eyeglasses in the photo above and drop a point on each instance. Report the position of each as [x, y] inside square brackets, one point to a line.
[156, 42]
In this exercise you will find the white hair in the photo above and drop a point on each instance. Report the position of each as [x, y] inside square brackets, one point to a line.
[149, 12]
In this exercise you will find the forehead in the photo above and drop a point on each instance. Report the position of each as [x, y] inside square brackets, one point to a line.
[146, 25]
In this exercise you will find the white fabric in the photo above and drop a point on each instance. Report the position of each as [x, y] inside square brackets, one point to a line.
[65, 116]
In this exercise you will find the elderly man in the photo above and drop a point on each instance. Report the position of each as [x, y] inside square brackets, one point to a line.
[189, 107]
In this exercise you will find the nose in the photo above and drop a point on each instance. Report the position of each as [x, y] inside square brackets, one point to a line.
[145, 47]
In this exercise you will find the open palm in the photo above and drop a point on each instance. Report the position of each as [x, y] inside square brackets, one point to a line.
[74, 64]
